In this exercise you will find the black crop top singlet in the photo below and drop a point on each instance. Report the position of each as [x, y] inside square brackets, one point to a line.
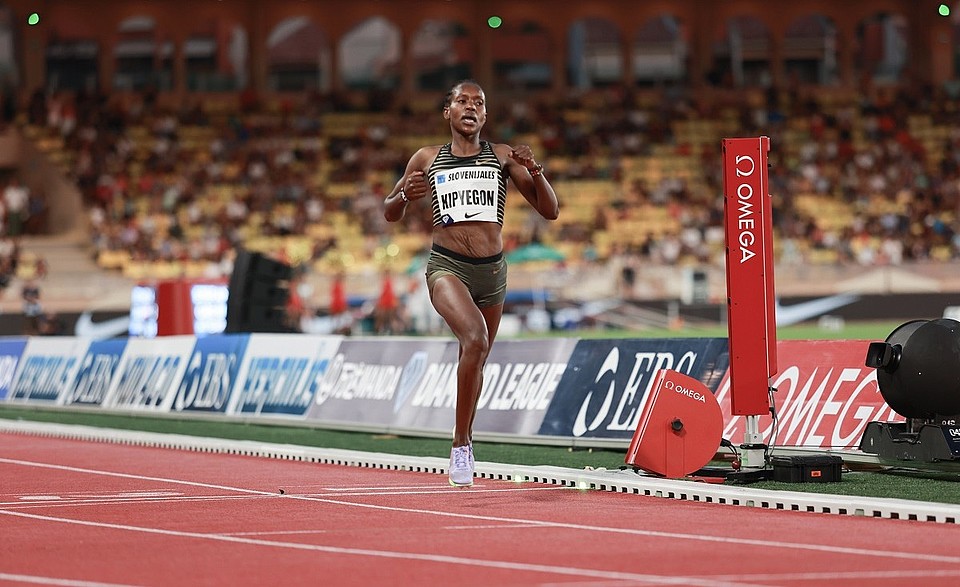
[467, 189]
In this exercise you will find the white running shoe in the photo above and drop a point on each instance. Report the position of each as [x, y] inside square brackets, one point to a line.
[461, 466]
[453, 433]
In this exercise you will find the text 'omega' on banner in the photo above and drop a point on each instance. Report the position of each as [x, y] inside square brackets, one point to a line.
[751, 318]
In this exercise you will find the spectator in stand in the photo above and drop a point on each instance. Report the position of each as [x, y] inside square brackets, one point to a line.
[37, 214]
[16, 198]
[901, 186]
[32, 309]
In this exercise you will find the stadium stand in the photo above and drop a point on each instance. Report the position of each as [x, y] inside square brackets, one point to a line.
[862, 175]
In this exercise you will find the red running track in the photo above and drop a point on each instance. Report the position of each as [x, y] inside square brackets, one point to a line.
[93, 514]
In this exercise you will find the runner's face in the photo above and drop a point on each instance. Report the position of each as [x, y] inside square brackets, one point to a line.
[467, 111]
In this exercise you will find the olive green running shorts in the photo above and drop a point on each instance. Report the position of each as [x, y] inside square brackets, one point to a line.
[485, 278]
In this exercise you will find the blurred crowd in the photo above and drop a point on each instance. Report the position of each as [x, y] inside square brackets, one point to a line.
[868, 176]
[23, 212]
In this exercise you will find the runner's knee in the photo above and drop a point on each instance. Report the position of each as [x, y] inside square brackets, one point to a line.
[476, 343]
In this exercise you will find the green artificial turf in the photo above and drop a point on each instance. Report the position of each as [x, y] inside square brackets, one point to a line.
[806, 331]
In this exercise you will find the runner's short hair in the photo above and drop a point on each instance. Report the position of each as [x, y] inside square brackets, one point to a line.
[453, 90]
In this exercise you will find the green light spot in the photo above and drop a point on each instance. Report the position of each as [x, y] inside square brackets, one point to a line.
[944, 10]
[33, 19]
[494, 22]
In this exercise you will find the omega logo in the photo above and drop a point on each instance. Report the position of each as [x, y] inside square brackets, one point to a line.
[696, 395]
[746, 221]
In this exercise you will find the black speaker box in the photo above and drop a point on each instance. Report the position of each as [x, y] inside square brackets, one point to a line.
[257, 293]
[807, 468]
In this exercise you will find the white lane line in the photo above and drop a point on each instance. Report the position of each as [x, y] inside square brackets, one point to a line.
[38, 580]
[440, 489]
[371, 487]
[275, 533]
[76, 496]
[833, 549]
[586, 584]
[325, 531]
[55, 501]
[490, 526]
[34, 505]
[135, 494]
[833, 578]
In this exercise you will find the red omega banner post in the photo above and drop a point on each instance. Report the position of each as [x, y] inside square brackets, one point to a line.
[751, 318]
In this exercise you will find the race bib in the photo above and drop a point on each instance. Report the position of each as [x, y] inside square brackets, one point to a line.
[467, 193]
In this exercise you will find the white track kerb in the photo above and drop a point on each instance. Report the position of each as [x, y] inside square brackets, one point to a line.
[620, 481]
